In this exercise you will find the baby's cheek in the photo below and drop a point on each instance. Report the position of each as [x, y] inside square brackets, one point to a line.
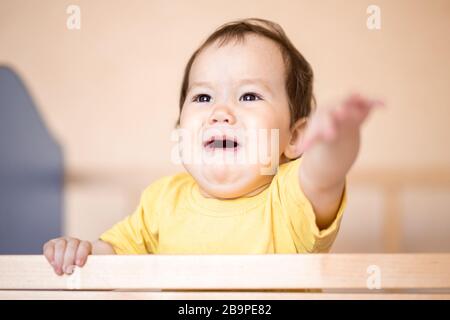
[191, 118]
[271, 123]
[278, 134]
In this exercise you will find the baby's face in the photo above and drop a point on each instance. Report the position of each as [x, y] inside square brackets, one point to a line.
[236, 94]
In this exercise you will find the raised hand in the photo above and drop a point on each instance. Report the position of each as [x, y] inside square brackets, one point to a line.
[328, 124]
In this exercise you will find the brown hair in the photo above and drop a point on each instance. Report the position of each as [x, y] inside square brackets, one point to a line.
[299, 75]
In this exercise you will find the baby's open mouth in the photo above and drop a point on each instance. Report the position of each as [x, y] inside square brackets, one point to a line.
[221, 142]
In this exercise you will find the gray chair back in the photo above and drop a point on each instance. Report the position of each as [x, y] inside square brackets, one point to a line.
[31, 172]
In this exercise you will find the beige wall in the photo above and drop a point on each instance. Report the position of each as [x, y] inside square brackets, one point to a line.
[109, 93]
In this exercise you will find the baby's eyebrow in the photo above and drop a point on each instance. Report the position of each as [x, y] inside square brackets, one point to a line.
[258, 81]
[199, 84]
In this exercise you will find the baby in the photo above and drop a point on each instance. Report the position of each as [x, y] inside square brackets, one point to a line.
[247, 77]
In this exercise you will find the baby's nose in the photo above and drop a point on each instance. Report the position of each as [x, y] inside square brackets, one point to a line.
[222, 115]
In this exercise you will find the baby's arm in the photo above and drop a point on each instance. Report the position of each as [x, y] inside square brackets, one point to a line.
[65, 253]
[330, 145]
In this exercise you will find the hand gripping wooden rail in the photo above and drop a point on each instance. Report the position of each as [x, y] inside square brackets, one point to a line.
[339, 276]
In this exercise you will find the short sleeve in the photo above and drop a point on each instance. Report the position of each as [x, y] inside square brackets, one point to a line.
[300, 213]
[137, 233]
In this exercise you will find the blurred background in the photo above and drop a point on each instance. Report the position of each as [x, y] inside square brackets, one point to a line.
[103, 100]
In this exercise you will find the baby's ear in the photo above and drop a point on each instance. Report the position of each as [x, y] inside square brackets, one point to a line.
[292, 150]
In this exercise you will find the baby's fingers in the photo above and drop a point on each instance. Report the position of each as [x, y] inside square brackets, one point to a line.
[70, 254]
[60, 248]
[377, 103]
[84, 249]
[363, 103]
[49, 251]
[356, 108]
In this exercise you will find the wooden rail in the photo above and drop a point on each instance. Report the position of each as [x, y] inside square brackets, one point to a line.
[343, 276]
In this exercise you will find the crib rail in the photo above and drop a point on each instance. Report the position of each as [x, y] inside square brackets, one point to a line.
[342, 276]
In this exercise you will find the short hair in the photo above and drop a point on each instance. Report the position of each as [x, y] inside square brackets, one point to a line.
[299, 74]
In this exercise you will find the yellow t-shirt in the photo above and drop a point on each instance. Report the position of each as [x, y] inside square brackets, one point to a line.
[174, 218]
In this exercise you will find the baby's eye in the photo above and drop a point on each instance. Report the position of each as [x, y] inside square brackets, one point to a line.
[250, 97]
[202, 98]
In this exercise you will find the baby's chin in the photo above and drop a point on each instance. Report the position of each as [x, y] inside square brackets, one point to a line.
[228, 181]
